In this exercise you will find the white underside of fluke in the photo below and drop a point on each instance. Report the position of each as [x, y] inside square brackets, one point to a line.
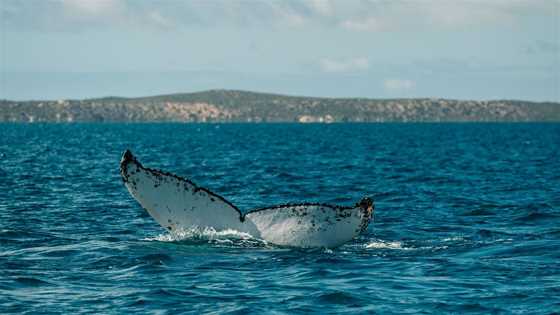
[178, 204]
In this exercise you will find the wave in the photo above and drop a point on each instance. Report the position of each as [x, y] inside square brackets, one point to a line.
[379, 244]
[31, 282]
[453, 239]
[340, 297]
[536, 216]
[479, 212]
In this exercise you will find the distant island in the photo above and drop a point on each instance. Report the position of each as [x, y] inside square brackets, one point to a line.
[243, 106]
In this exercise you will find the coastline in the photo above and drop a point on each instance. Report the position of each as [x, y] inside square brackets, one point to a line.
[228, 106]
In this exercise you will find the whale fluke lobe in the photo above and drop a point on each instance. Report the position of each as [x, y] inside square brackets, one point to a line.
[177, 203]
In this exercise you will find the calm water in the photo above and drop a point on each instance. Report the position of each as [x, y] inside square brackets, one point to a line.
[467, 219]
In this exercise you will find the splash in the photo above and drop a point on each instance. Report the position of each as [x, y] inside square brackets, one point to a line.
[211, 236]
[200, 234]
[453, 239]
[379, 244]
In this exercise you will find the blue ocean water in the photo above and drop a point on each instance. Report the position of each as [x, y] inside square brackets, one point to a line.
[467, 219]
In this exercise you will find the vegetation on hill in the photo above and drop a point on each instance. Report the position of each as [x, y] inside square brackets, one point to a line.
[242, 106]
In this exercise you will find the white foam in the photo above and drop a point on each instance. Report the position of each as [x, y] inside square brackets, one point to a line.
[209, 234]
[379, 244]
[451, 239]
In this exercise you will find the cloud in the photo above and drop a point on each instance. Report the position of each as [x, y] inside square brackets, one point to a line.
[321, 7]
[90, 7]
[286, 16]
[384, 16]
[370, 24]
[398, 84]
[351, 15]
[344, 65]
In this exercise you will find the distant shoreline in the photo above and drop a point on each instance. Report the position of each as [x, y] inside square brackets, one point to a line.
[231, 106]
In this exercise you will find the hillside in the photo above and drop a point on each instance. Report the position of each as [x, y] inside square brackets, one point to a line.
[242, 106]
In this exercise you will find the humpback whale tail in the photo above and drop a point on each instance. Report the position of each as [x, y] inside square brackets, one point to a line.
[177, 203]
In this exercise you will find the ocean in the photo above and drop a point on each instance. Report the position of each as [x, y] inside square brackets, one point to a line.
[467, 219]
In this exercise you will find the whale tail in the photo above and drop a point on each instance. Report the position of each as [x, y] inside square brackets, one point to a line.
[177, 203]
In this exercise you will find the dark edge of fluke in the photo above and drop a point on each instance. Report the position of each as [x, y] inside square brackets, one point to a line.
[128, 157]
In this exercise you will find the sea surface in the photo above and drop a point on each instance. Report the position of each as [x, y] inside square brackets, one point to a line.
[467, 219]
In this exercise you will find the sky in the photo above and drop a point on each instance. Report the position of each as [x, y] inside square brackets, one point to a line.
[481, 50]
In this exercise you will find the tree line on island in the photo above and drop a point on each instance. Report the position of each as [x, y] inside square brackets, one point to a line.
[244, 106]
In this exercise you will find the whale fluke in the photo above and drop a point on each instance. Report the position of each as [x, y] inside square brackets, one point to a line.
[177, 203]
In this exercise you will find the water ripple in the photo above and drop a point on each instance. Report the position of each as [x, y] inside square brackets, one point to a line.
[466, 220]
